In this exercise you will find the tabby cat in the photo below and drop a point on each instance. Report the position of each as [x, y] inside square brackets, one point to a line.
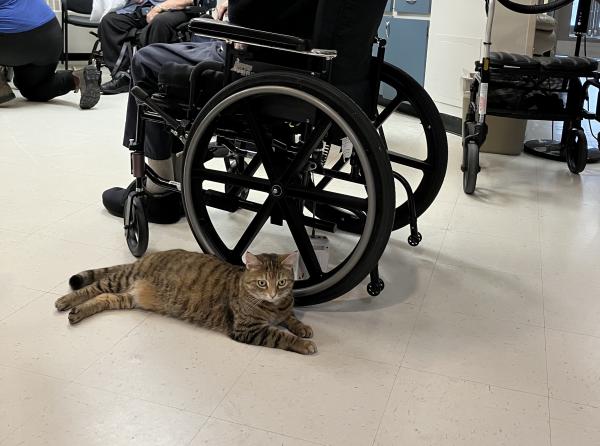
[248, 304]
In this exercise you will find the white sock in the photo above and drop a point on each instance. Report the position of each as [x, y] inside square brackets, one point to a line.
[164, 169]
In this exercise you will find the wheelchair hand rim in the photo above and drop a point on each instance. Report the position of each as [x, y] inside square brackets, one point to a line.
[342, 270]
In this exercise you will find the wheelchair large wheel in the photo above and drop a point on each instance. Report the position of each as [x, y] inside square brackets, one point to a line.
[424, 160]
[421, 157]
[282, 122]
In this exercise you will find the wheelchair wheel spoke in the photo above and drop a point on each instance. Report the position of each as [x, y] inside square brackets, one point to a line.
[327, 197]
[294, 219]
[218, 176]
[409, 161]
[312, 142]
[388, 110]
[262, 141]
[254, 228]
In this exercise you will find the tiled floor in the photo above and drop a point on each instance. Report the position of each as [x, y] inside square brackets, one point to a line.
[487, 334]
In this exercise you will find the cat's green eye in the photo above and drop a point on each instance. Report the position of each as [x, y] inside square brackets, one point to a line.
[262, 283]
[282, 283]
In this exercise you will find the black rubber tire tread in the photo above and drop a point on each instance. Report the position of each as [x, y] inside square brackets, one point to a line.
[576, 151]
[471, 168]
[437, 141]
[534, 9]
[139, 246]
[370, 140]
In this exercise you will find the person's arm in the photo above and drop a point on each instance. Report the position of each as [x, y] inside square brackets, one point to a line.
[166, 6]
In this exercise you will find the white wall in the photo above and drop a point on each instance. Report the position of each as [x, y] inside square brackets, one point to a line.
[455, 40]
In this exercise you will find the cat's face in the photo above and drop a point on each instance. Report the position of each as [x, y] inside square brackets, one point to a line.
[269, 277]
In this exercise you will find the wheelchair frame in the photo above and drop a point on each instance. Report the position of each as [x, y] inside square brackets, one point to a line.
[475, 128]
[149, 109]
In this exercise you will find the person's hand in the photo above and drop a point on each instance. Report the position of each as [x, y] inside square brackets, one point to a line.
[221, 10]
[152, 14]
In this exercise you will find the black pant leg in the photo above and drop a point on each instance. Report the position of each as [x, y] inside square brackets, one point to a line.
[113, 31]
[42, 83]
[163, 28]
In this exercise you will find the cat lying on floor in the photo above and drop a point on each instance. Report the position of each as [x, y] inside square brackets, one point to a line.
[248, 304]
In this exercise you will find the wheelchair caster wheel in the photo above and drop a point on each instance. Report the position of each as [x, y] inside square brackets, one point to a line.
[375, 288]
[136, 226]
[415, 240]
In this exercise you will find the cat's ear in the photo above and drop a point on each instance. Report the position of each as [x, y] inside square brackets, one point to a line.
[288, 260]
[252, 261]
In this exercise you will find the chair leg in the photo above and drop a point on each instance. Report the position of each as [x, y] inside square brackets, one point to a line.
[66, 46]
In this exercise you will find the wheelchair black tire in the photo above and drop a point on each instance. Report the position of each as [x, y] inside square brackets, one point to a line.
[435, 134]
[470, 168]
[576, 151]
[138, 234]
[534, 9]
[364, 257]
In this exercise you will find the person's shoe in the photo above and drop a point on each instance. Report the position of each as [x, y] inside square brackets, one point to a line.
[6, 93]
[118, 84]
[165, 208]
[89, 86]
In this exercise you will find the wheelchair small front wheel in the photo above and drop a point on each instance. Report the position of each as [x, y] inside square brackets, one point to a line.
[137, 233]
[576, 150]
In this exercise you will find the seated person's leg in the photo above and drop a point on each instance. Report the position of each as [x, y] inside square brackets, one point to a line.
[163, 206]
[163, 29]
[113, 31]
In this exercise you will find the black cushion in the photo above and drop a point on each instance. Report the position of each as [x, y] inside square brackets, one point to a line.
[569, 63]
[502, 59]
[78, 20]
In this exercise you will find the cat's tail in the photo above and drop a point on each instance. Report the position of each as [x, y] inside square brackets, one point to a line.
[90, 276]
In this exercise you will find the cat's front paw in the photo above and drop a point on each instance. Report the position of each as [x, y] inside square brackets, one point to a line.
[62, 303]
[304, 331]
[76, 315]
[305, 347]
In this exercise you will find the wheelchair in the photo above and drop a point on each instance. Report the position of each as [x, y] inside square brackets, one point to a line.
[268, 136]
[524, 87]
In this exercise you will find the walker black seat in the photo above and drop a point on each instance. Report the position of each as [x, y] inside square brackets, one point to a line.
[563, 64]
[569, 64]
[506, 60]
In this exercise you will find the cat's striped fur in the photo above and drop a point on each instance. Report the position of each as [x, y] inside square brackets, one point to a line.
[250, 304]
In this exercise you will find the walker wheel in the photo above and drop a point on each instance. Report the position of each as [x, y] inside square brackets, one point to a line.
[576, 150]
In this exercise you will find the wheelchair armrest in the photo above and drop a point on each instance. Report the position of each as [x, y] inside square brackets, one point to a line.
[227, 31]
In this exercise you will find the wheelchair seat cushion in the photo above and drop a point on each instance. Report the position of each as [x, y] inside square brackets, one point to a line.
[583, 65]
[503, 59]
